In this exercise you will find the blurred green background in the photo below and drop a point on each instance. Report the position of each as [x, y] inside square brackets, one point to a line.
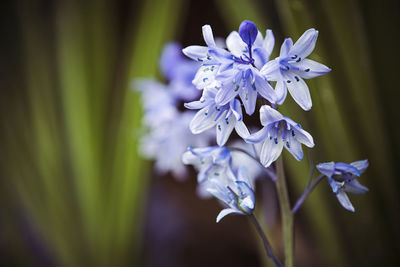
[73, 190]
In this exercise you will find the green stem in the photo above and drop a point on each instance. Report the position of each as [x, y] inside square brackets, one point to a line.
[286, 214]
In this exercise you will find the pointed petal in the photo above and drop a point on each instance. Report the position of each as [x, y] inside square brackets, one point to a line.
[204, 76]
[310, 69]
[345, 201]
[264, 88]
[235, 44]
[203, 120]
[305, 44]
[208, 36]
[224, 129]
[236, 109]
[271, 71]
[303, 137]
[294, 147]
[227, 92]
[225, 212]
[361, 165]
[335, 185]
[269, 115]
[327, 168]
[248, 95]
[195, 52]
[347, 168]
[196, 104]
[241, 129]
[269, 42]
[298, 89]
[270, 151]
[281, 92]
[355, 187]
[285, 48]
[258, 137]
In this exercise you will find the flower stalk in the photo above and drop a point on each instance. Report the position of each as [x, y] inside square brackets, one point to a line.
[286, 214]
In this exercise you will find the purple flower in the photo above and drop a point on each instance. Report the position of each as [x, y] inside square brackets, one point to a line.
[289, 69]
[234, 72]
[278, 132]
[342, 179]
[224, 117]
[236, 193]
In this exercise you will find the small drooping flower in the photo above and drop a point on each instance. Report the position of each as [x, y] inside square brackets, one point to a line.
[226, 117]
[292, 66]
[278, 132]
[235, 72]
[236, 193]
[342, 179]
[211, 162]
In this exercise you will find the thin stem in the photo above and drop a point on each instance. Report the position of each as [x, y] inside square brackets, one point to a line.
[305, 194]
[266, 243]
[269, 172]
[286, 214]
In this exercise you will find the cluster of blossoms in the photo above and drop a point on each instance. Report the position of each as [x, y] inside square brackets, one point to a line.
[218, 83]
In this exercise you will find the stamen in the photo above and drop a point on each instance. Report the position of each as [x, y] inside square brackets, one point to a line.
[298, 60]
[307, 70]
[297, 78]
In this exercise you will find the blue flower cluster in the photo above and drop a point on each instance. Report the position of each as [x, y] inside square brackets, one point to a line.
[219, 86]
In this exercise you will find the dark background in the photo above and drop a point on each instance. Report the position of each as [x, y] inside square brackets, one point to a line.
[74, 191]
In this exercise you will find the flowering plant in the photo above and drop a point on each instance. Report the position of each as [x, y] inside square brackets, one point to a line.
[224, 85]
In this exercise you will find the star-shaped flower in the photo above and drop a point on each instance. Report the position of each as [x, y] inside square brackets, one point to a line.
[342, 179]
[278, 132]
[292, 66]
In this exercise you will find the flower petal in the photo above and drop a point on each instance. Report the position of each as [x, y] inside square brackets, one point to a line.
[269, 115]
[305, 44]
[294, 147]
[355, 187]
[241, 129]
[345, 201]
[203, 120]
[269, 42]
[258, 137]
[204, 76]
[361, 165]
[298, 89]
[264, 88]
[281, 92]
[347, 168]
[195, 52]
[196, 104]
[235, 44]
[227, 92]
[270, 151]
[248, 95]
[310, 69]
[208, 36]
[271, 71]
[327, 168]
[236, 109]
[303, 137]
[224, 129]
[285, 48]
[225, 212]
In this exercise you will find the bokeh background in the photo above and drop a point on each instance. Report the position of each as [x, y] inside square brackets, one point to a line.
[74, 191]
